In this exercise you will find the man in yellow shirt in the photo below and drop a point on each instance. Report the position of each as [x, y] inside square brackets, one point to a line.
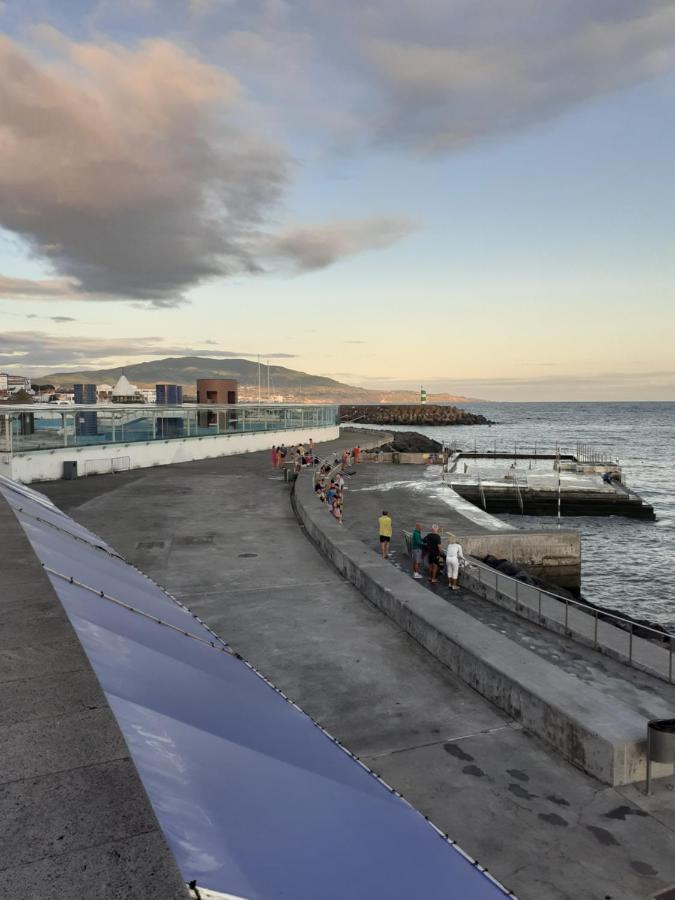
[385, 533]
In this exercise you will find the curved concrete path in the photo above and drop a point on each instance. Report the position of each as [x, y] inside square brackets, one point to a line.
[221, 536]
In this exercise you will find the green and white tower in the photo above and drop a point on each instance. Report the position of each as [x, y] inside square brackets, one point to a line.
[423, 395]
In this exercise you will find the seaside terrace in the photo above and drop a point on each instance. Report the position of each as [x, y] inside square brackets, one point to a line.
[39, 441]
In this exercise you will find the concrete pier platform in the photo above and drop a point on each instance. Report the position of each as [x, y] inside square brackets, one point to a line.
[221, 535]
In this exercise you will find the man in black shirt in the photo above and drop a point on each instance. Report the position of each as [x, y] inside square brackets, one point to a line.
[432, 542]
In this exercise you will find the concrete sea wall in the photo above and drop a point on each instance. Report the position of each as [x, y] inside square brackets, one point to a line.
[598, 734]
[554, 556]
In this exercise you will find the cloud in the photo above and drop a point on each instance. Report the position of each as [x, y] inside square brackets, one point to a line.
[464, 72]
[127, 169]
[31, 350]
[434, 75]
[314, 247]
[12, 288]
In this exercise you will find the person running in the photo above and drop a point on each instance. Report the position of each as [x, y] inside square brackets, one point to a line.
[453, 555]
[274, 457]
[417, 545]
[385, 526]
[433, 544]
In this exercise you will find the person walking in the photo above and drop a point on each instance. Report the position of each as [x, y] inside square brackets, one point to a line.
[432, 542]
[417, 545]
[274, 457]
[454, 555]
[385, 526]
[356, 451]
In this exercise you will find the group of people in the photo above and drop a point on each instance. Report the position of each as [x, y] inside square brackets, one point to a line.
[429, 547]
[300, 456]
[332, 494]
[330, 488]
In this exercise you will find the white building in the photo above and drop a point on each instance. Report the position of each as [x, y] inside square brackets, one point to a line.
[126, 392]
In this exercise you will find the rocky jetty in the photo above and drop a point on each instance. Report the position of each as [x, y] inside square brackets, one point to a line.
[412, 442]
[410, 414]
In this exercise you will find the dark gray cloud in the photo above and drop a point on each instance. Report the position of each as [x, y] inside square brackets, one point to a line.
[438, 74]
[433, 75]
[34, 350]
[316, 246]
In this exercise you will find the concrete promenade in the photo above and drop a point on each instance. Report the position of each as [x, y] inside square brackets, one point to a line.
[221, 535]
[75, 821]
[375, 487]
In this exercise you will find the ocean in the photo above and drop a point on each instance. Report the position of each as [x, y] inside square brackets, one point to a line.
[627, 564]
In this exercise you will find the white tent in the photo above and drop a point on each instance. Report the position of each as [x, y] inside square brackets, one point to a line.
[124, 388]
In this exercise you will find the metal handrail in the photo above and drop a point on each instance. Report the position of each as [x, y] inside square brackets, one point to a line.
[519, 494]
[627, 625]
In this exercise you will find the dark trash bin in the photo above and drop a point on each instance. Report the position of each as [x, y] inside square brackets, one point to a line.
[70, 469]
[660, 744]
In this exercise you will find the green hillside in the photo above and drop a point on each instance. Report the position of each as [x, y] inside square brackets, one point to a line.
[186, 369]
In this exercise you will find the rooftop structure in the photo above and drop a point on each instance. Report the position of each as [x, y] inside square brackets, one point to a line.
[126, 392]
[36, 441]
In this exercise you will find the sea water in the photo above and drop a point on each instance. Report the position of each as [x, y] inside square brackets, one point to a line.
[627, 564]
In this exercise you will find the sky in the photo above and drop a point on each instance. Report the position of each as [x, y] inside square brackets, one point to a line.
[470, 196]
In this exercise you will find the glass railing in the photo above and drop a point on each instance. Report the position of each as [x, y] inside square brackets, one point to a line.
[35, 427]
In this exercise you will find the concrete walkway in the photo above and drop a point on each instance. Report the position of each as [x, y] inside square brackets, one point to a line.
[75, 820]
[221, 536]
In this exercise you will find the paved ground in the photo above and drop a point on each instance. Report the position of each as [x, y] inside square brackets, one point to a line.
[221, 536]
[74, 818]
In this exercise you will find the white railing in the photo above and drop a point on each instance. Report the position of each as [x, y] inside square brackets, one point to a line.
[638, 645]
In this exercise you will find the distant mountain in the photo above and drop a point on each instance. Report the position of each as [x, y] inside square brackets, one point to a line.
[292, 384]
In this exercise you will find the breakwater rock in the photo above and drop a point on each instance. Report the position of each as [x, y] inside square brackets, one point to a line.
[412, 442]
[410, 414]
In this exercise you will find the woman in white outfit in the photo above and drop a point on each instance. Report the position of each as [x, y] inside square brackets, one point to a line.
[453, 555]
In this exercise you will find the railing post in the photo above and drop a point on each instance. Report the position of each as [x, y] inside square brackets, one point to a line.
[539, 595]
[670, 659]
[567, 609]
[595, 633]
[630, 645]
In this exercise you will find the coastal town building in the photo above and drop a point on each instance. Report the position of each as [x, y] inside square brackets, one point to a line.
[10, 383]
[125, 392]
